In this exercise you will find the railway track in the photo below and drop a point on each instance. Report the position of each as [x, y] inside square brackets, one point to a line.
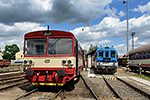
[9, 69]
[11, 79]
[81, 91]
[67, 92]
[124, 90]
[28, 93]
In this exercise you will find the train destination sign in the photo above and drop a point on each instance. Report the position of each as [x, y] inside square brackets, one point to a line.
[47, 33]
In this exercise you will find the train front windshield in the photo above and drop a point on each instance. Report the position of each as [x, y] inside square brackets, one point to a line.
[56, 46]
[35, 46]
[60, 46]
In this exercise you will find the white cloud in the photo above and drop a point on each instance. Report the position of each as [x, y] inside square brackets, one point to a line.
[14, 34]
[26, 15]
[121, 49]
[110, 29]
[111, 12]
[121, 13]
[143, 8]
[104, 41]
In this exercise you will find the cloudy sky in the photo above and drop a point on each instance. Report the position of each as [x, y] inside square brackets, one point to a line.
[96, 22]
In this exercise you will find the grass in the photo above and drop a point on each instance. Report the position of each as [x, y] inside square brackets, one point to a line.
[14, 66]
[143, 76]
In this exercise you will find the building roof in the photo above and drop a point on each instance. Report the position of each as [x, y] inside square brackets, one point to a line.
[140, 49]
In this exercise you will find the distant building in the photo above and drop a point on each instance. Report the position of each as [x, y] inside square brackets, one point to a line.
[19, 55]
[120, 56]
[90, 58]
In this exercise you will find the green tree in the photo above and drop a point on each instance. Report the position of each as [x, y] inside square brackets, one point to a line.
[10, 51]
[92, 48]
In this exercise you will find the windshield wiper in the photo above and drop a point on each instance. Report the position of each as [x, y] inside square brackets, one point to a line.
[56, 41]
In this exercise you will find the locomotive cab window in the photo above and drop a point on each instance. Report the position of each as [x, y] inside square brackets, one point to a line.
[100, 54]
[112, 54]
[60, 46]
[35, 46]
[106, 53]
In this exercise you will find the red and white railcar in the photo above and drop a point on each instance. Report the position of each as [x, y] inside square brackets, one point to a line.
[52, 57]
[140, 57]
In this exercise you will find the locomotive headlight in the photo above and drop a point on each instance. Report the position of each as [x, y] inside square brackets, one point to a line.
[25, 61]
[100, 63]
[30, 62]
[64, 61]
[69, 61]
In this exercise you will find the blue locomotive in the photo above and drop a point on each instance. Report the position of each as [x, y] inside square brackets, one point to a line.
[105, 60]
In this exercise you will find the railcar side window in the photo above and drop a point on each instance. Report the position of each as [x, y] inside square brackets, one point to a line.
[140, 55]
[60, 46]
[75, 47]
[144, 55]
[131, 56]
[35, 46]
[112, 54]
[148, 54]
[100, 54]
[137, 56]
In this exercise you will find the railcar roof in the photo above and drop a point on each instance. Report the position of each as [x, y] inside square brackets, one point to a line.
[103, 48]
[140, 49]
[54, 33]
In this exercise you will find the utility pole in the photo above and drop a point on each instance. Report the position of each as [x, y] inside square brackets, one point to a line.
[127, 22]
[127, 33]
[133, 33]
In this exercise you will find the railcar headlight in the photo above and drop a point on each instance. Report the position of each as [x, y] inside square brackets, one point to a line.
[25, 61]
[64, 61]
[30, 62]
[69, 61]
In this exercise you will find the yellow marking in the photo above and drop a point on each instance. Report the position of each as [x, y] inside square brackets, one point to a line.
[110, 78]
[50, 84]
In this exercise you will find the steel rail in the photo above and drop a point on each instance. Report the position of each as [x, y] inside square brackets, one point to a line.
[28, 93]
[14, 80]
[63, 94]
[56, 94]
[117, 95]
[142, 92]
[89, 88]
[8, 78]
[9, 86]
[9, 71]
